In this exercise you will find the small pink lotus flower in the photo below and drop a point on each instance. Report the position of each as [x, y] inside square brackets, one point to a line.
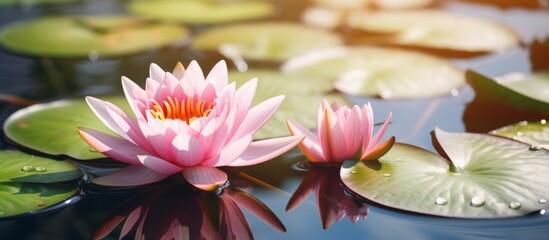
[184, 123]
[342, 132]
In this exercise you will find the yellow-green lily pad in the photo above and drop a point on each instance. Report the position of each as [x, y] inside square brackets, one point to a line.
[486, 176]
[304, 95]
[202, 11]
[51, 127]
[79, 36]
[535, 133]
[385, 72]
[435, 29]
[21, 167]
[522, 91]
[265, 41]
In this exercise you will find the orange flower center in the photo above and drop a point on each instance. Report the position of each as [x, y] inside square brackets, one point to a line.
[185, 110]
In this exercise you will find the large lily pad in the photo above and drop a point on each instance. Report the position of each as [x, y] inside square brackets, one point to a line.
[201, 11]
[489, 177]
[517, 90]
[19, 198]
[74, 36]
[304, 95]
[51, 127]
[535, 133]
[435, 29]
[21, 167]
[388, 73]
[265, 41]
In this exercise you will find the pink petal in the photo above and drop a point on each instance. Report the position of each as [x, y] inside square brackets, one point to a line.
[324, 131]
[205, 178]
[129, 176]
[113, 147]
[133, 217]
[264, 150]
[194, 75]
[309, 146]
[233, 222]
[258, 116]
[178, 71]
[336, 139]
[133, 93]
[379, 150]
[188, 150]
[243, 99]
[352, 130]
[380, 132]
[309, 184]
[158, 165]
[230, 153]
[218, 75]
[99, 107]
[156, 73]
[368, 124]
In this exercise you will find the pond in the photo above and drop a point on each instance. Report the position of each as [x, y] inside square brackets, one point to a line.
[307, 202]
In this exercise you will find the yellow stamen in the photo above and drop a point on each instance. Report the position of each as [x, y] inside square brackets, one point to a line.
[185, 110]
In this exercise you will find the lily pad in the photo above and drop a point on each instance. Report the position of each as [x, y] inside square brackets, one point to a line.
[535, 133]
[51, 127]
[77, 36]
[430, 28]
[304, 95]
[265, 41]
[200, 11]
[388, 73]
[21, 167]
[517, 90]
[489, 177]
[19, 198]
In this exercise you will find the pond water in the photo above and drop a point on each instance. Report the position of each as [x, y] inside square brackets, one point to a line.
[274, 182]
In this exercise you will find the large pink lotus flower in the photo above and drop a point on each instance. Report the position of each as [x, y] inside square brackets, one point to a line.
[341, 133]
[184, 123]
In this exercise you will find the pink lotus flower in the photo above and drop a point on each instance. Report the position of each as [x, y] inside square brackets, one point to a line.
[342, 132]
[184, 123]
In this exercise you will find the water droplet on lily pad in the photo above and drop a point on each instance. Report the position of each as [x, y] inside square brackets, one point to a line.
[520, 134]
[441, 201]
[386, 174]
[477, 201]
[27, 168]
[534, 148]
[542, 200]
[543, 121]
[40, 169]
[354, 172]
[399, 160]
[514, 205]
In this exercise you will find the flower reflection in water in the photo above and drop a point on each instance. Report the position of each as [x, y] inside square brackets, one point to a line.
[173, 212]
[332, 201]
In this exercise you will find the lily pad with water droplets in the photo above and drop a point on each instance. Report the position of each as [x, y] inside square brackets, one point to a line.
[78, 36]
[519, 90]
[488, 177]
[200, 11]
[304, 94]
[21, 167]
[19, 198]
[51, 127]
[265, 41]
[385, 72]
[534, 133]
[434, 29]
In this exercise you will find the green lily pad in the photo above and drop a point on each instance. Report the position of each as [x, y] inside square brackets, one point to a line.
[303, 98]
[265, 41]
[489, 177]
[21, 167]
[73, 36]
[200, 11]
[534, 133]
[19, 198]
[517, 90]
[51, 127]
[32, 2]
[430, 28]
[388, 73]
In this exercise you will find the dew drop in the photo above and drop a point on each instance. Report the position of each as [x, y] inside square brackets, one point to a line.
[441, 201]
[523, 123]
[542, 212]
[40, 169]
[520, 134]
[1, 213]
[543, 121]
[27, 168]
[386, 174]
[534, 148]
[542, 200]
[354, 172]
[514, 205]
[399, 160]
[477, 201]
